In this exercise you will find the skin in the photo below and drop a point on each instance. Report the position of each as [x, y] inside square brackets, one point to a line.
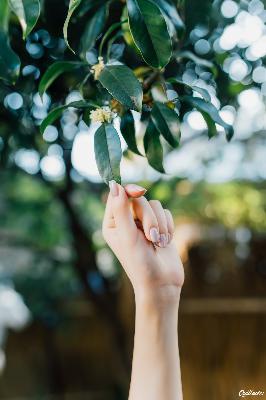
[140, 234]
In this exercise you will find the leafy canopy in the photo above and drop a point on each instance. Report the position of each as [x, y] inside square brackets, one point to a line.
[124, 57]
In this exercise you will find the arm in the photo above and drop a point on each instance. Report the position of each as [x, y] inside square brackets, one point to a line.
[148, 256]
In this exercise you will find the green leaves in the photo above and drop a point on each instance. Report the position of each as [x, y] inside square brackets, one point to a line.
[54, 71]
[108, 152]
[28, 12]
[58, 111]
[166, 122]
[171, 12]
[203, 92]
[93, 29]
[153, 147]
[127, 128]
[9, 61]
[211, 116]
[149, 31]
[122, 84]
[73, 5]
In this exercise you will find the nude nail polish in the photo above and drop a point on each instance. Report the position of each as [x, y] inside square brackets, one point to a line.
[162, 240]
[113, 188]
[154, 235]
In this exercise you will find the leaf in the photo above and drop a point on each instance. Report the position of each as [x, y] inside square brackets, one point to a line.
[203, 92]
[9, 60]
[153, 147]
[93, 29]
[54, 71]
[209, 109]
[166, 122]
[122, 84]
[73, 5]
[58, 111]
[197, 60]
[149, 31]
[28, 12]
[108, 153]
[171, 11]
[127, 128]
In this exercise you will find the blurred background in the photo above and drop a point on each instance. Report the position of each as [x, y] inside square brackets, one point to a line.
[66, 308]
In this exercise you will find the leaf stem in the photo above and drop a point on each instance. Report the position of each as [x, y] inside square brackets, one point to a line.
[108, 33]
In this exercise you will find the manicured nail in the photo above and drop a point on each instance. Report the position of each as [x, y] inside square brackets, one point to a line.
[136, 189]
[154, 235]
[162, 240]
[113, 188]
[169, 237]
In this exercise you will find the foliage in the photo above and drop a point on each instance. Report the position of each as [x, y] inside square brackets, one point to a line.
[124, 56]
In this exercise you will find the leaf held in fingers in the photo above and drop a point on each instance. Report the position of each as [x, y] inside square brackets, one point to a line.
[108, 152]
[127, 128]
[149, 31]
[166, 121]
[122, 84]
[153, 147]
[28, 12]
[54, 71]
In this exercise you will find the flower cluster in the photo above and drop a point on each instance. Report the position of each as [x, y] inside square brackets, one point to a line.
[103, 114]
[97, 68]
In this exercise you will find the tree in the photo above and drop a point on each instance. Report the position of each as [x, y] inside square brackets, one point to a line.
[117, 59]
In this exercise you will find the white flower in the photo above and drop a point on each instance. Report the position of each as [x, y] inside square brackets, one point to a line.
[103, 114]
[97, 68]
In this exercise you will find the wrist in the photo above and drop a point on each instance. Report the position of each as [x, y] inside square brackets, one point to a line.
[157, 298]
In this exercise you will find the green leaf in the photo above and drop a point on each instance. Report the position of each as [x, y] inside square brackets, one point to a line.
[122, 84]
[28, 12]
[108, 152]
[149, 31]
[166, 122]
[58, 111]
[93, 29]
[171, 11]
[203, 92]
[197, 60]
[212, 131]
[153, 147]
[9, 60]
[4, 15]
[208, 109]
[73, 5]
[127, 128]
[54, 71]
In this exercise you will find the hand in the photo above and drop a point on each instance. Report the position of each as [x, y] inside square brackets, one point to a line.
[140, 234]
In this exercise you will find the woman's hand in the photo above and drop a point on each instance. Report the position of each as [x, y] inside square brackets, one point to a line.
[140, 234]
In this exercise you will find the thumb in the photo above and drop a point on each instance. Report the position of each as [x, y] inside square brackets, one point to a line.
[135, 191]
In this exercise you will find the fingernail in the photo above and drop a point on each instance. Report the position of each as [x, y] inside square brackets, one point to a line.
[113, 188]
[169, 237]
[154, 235]
[162, 240]
[136, 189]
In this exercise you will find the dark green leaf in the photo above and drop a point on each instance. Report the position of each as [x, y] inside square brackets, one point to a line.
[122, 84]
[149, 31]
[197, 60]
[73, 5]
[58, 111]
[28, 12]
[127, 127]
[93, 29]
[108, 152]
[54, 71]
[9, 61]
[166, 122]
[209, 109]
[169, 8]
[203, 92]
[212, 131]
[153, 147]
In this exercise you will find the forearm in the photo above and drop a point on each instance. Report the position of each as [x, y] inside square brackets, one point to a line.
[156, 366]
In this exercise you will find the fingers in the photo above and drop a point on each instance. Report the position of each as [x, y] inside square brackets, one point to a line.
[162, 222]
[144, 213]
[118, 213]
[170, 224]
